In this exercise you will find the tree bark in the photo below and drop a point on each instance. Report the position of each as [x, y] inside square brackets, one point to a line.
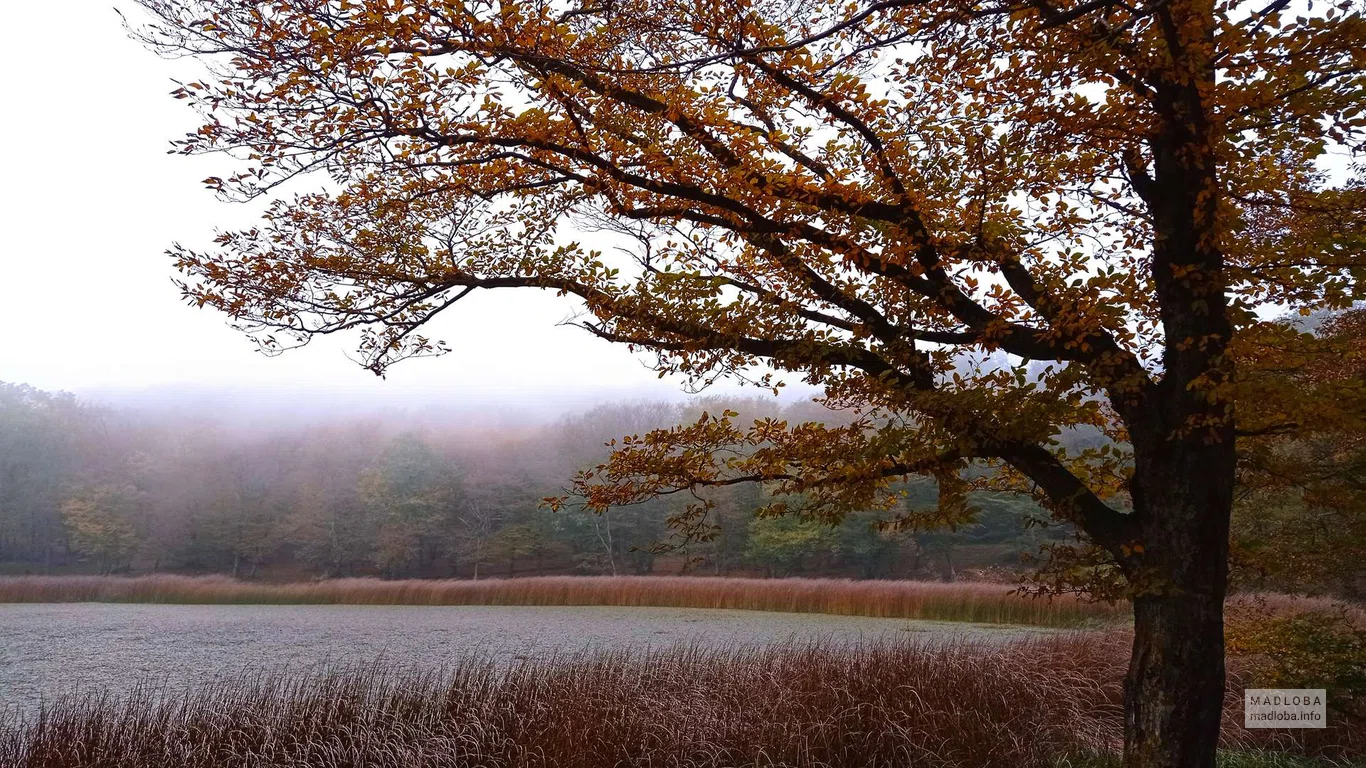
[1175, 686]
[1174, 690]
[1183, 432]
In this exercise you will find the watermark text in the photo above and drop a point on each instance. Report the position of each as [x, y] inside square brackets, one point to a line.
[1285, 708]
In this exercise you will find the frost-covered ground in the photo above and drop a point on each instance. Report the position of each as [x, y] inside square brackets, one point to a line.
[50, 650]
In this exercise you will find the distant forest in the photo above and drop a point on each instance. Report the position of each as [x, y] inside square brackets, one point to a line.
[86, 488]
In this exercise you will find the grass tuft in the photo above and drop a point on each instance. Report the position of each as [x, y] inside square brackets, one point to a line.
[973, 705]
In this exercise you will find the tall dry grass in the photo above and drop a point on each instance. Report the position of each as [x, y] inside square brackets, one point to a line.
[911, 704]
[962, 601]
[1258, 605]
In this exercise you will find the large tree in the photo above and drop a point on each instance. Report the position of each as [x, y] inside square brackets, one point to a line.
[905, 202]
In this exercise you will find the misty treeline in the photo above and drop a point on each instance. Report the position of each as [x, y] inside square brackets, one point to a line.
[88, 488]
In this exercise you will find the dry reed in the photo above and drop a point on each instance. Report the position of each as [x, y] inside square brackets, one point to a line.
[961, 601]
[1257, 605]
[1031, 703]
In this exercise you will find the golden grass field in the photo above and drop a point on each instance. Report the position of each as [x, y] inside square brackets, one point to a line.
[960, 601]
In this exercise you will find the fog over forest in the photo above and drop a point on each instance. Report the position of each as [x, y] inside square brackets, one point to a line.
[271, 406]
[294, 484]
[378, 478]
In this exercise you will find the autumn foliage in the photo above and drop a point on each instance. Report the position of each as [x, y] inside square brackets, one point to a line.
[875, 198]
[976, 223]
[1300, 520]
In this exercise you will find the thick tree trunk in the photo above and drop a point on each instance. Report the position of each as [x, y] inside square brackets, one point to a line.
[1175, 686]
[1182, 429]
[1174, 690]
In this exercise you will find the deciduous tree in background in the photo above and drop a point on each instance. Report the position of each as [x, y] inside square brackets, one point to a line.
[42, 437]
[903, 202]
[412, 496]
[328, 523]
[1299, 520]
[783, 545]
[106, 523]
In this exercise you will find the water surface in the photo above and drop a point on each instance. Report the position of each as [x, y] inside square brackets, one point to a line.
[49, 650]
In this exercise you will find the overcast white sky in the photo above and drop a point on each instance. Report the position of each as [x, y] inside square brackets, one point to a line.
[91, 200]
